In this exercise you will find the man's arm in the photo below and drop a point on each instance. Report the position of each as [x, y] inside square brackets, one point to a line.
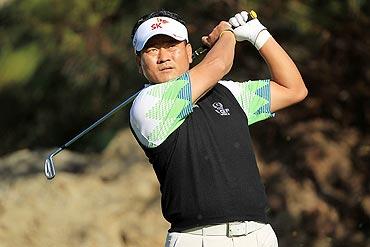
[287, 86]
[216, 64]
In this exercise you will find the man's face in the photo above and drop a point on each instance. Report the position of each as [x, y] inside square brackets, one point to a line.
[164, 58]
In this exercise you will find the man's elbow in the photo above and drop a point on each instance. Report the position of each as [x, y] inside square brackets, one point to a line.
[300, 93]
[223, 66]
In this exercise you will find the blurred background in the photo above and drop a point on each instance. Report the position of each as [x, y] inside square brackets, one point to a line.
[64, 64]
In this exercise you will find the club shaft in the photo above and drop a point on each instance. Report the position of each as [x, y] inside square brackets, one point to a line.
[199, 51]
[196, 53]
[99, 121]
[49, 165]
[56, 152]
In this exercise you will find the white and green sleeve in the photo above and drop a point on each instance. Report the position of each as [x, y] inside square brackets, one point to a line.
[160, 109]
[253, 97]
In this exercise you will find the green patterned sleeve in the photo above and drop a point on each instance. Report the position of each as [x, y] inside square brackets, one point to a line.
[253, 97]
[160, 109]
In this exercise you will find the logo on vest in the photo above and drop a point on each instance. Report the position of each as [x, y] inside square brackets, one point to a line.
[219, 108]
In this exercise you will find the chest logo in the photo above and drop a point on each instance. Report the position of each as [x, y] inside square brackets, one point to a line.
[219, 108]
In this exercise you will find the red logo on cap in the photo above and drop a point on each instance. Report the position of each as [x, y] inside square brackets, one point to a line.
[159, 23]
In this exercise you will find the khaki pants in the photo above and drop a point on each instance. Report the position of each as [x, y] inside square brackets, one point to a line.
[263, 237]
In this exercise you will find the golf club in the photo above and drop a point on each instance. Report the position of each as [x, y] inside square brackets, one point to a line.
[49, 164]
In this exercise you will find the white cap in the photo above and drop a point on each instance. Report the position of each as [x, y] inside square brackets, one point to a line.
[159, 25]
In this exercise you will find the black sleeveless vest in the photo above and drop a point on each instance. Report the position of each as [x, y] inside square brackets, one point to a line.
[207, 169]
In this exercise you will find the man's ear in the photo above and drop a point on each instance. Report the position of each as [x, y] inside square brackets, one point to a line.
[138, 63]
[189, 51]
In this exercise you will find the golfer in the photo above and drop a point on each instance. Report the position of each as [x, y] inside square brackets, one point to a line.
[193, 126]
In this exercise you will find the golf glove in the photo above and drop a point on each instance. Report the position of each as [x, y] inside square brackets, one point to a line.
[248, 27]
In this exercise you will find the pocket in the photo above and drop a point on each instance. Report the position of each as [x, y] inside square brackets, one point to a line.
[266, 237]
[172, 239]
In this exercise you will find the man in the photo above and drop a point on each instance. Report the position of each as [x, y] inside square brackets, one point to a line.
[193, 126]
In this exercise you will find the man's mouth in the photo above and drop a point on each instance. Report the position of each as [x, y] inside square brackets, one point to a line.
[165, 68]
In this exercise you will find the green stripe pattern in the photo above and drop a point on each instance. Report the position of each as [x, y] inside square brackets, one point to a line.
[170, 110]
[255, 99]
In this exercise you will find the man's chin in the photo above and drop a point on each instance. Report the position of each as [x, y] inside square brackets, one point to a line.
[168, 77]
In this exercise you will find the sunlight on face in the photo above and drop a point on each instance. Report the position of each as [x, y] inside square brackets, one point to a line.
[164, 58]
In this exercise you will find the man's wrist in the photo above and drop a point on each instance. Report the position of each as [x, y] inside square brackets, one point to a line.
[262, 38]
[226, 31]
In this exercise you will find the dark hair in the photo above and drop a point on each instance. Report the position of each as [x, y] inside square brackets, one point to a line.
[164, 13]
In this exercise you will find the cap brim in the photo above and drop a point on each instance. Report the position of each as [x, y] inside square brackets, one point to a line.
[159, 26]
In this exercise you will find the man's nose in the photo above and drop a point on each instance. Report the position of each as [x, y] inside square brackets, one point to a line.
[163, 55]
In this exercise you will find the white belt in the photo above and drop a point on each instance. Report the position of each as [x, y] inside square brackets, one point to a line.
[232, 229]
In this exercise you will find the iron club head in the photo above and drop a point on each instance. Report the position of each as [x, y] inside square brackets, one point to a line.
[49, 168]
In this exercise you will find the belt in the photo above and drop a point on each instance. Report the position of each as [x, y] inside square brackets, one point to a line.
[232, 229]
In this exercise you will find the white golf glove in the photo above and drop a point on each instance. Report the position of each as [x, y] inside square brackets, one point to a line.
[248, 27]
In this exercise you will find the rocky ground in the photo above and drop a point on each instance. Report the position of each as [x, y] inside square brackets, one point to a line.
[317, 184]
[96, 200]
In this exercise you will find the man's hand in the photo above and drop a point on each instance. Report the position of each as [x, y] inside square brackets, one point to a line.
[216, 33]
[248, 27]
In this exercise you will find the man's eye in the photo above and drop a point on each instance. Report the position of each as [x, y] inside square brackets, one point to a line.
[175, 44]
[172, 46]
[151, 50]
